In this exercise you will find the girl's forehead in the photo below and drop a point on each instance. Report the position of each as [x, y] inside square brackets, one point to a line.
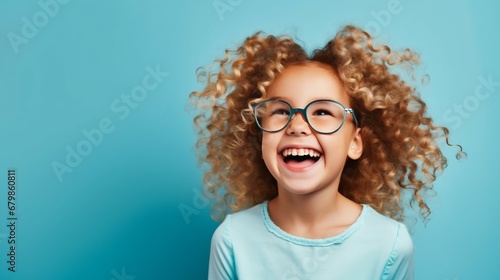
[307, 82]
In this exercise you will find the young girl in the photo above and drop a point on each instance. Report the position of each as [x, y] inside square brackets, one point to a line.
[316, 157]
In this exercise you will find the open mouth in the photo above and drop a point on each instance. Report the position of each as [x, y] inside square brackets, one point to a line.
[300, 157]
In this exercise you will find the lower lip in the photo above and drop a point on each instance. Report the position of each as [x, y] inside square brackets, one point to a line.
[297, 169]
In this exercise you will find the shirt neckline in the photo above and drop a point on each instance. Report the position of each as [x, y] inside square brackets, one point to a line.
[320, 242]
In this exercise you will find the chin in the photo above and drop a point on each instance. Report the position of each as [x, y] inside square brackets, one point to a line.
[299, 189]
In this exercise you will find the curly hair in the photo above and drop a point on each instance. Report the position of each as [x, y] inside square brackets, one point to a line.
[400, 150]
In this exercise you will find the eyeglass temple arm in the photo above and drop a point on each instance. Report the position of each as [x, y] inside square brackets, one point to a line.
[350, 110]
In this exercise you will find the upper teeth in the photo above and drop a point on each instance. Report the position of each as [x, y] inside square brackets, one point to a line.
[300, 152]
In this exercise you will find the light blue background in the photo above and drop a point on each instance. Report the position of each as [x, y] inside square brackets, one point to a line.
[116, 215]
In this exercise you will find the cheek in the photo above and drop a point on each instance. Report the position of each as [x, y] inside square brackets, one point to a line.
[270, 143]
[335, 146]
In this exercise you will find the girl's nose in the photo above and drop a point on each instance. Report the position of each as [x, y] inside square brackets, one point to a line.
[298, 125]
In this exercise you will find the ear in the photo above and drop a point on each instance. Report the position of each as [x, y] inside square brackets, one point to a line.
[356, 145]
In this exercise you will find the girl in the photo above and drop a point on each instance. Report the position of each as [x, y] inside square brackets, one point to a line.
[314, 156]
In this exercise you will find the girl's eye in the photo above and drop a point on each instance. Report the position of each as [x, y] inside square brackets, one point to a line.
[322, 113]
[281, 112]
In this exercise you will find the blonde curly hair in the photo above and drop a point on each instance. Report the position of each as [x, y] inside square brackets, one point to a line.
[399, 139]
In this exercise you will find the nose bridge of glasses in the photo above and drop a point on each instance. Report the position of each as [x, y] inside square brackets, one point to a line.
[300, 111]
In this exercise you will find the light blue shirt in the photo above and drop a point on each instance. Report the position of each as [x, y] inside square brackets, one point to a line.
[248, 245]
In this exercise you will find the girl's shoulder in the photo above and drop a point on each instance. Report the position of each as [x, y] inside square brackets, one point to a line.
[375, 218]
[386, 230]
[394, 242]
[383, 225]
[243, 220]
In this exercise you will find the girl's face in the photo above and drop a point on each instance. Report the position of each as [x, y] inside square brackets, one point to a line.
[299, 85]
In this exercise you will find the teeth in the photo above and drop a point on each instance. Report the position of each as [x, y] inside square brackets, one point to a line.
[300, 152]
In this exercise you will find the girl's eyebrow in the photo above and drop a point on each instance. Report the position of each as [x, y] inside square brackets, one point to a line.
[278, 97]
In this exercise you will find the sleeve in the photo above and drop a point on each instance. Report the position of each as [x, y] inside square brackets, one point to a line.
[221, 263]
[400, 263]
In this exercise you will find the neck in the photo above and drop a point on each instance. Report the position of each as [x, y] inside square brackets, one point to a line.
[315, 215]
[310, 207]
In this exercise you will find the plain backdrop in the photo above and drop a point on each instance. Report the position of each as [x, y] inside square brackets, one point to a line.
[93, 119]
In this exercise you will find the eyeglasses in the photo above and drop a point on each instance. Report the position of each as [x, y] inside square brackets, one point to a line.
[323, 116]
